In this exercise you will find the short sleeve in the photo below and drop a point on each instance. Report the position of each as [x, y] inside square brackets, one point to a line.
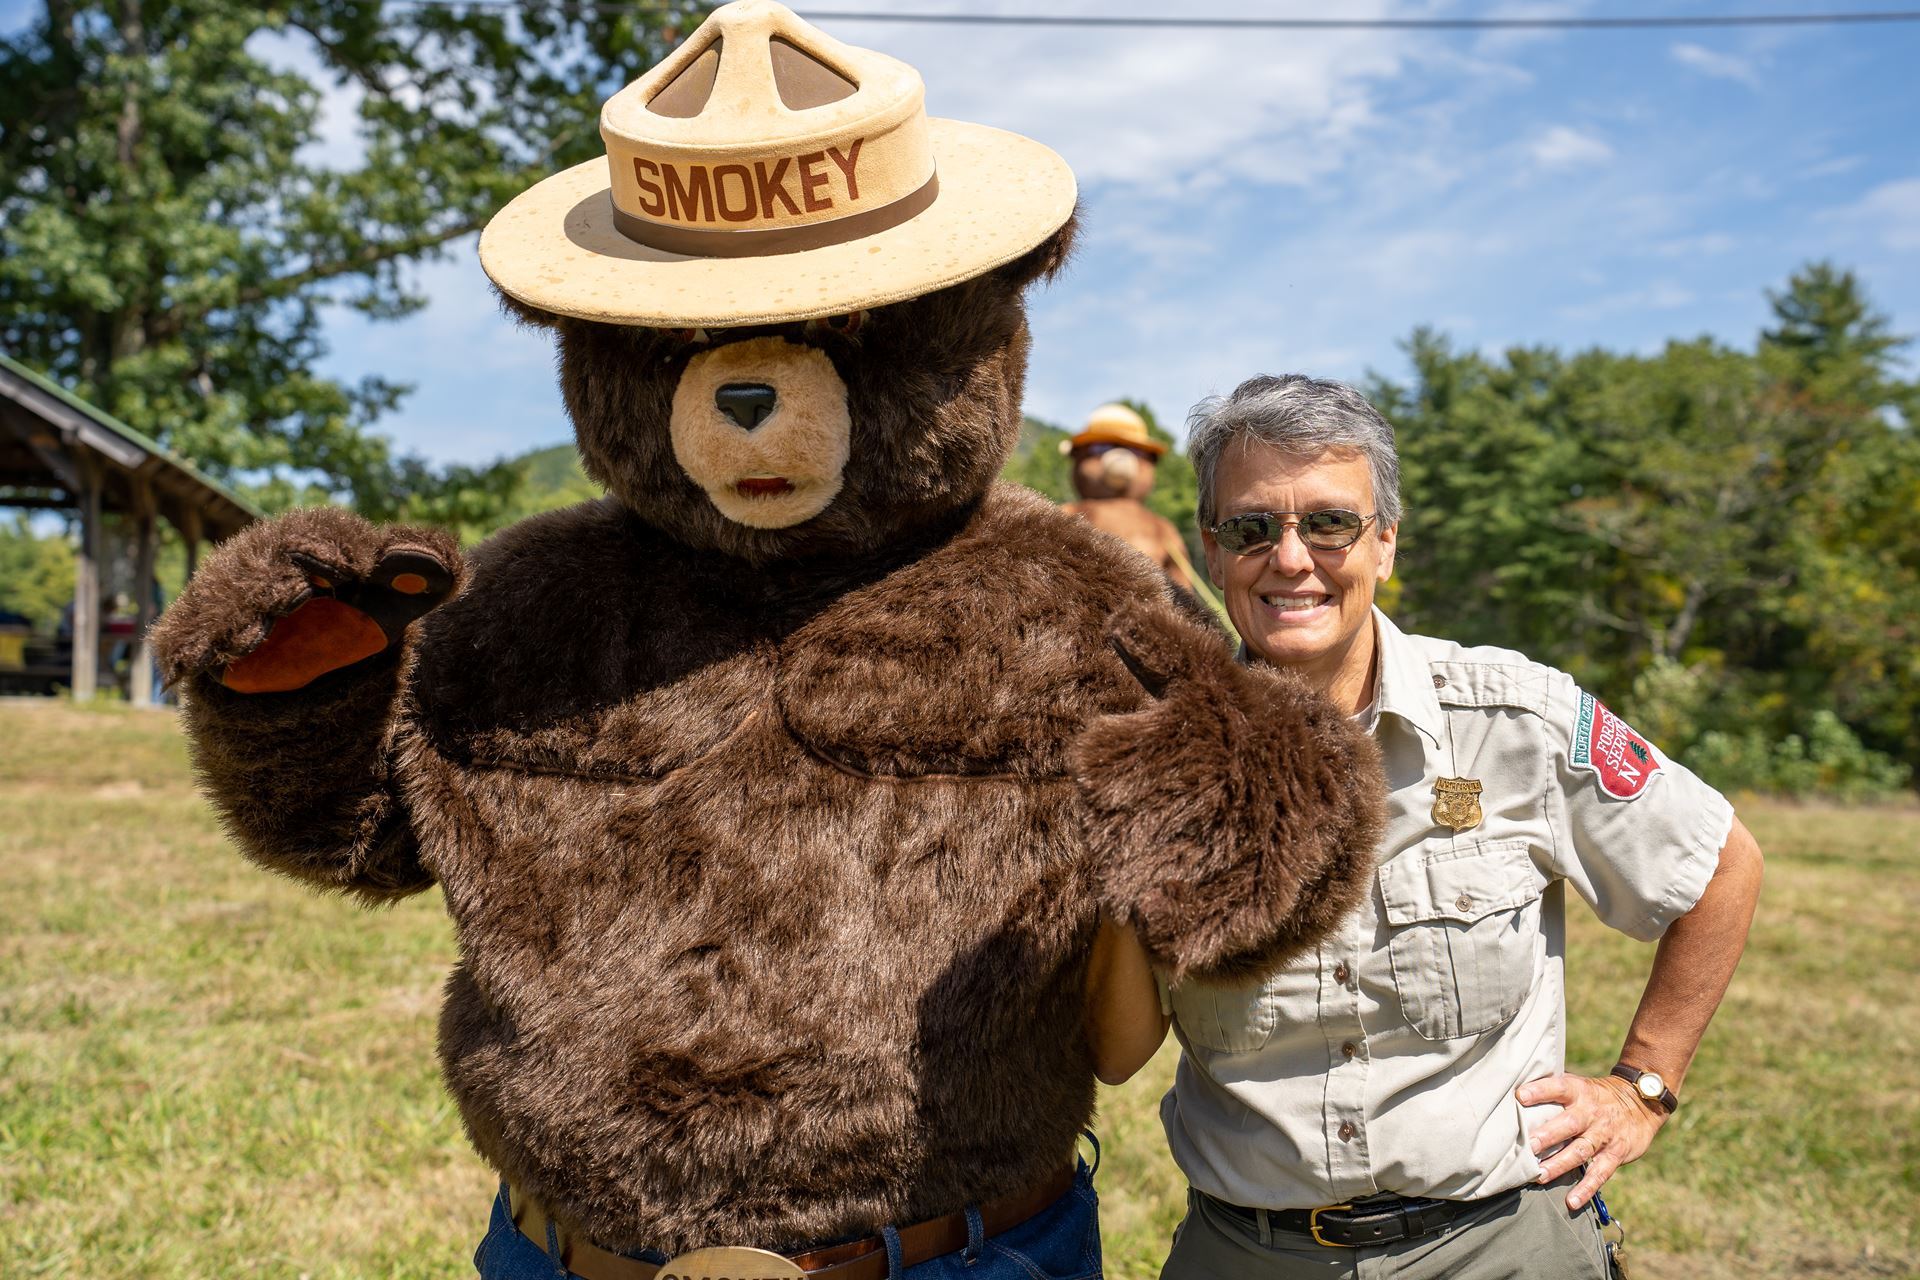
[1636, 834]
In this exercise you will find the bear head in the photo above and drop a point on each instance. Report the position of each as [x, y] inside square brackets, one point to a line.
[1113, 471]
[836, 437]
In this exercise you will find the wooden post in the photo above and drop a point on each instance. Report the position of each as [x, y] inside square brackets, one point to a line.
[140, 682]
[86, 585]
[191, 531]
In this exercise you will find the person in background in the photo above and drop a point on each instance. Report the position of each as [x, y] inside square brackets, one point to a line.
[1395, 1103]
[1114, 459]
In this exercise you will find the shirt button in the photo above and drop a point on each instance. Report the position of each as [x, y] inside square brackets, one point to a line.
[1348, 1049]
[1439, 682]
[1347, 1130]
[1463, 903]
[1341, 973]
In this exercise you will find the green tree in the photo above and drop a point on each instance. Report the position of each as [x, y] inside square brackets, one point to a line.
[1829, 343]
[168, 244]
[1851, 609]
[544, 479]
[1038, 461]
[36, 573]
[1491, 547]
[1721, 541]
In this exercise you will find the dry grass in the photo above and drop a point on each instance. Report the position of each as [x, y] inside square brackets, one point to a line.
[208, 1072]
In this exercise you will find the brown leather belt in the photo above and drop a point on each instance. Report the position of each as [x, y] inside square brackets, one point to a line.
[863, 1259]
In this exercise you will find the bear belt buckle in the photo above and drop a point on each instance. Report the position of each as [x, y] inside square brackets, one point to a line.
[729, 1264]
[1313, 1226]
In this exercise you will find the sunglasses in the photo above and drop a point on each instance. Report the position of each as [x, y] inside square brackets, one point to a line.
[1258, 531]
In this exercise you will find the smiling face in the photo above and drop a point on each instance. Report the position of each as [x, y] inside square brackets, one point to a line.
[1295, 606]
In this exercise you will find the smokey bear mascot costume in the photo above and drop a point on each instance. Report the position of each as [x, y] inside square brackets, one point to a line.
[778, 797]
[1114, 460]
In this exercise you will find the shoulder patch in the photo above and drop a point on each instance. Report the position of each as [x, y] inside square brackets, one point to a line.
[1603, 742]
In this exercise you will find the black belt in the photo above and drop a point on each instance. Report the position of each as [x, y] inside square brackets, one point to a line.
[1384, 1219]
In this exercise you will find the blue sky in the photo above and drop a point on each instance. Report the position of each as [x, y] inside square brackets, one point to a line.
[1278, 201]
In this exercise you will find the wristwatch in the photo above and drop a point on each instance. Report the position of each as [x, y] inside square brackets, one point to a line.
[1649, 1086]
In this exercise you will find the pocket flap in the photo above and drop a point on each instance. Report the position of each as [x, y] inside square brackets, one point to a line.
[1459, 883]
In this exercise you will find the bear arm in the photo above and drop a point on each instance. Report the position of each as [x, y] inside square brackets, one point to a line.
[1233, 817]
[310, 790]
[301, 771]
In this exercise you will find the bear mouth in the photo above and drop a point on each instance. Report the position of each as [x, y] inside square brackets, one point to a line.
[764, 487]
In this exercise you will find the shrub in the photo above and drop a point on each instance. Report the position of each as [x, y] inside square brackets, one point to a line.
[1829, 759]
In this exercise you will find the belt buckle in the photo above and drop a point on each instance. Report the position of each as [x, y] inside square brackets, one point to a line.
[747, 1264]
[1313, 1226]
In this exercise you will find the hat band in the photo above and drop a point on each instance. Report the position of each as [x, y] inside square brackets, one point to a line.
[775, 240]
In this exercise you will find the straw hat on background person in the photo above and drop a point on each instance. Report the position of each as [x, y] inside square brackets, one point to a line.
[764, 173]
[1115, 424]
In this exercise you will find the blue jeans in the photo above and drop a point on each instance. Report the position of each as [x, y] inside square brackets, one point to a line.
[1061, 1242]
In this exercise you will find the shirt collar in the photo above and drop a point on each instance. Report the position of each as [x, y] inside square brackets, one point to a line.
[1405, 680]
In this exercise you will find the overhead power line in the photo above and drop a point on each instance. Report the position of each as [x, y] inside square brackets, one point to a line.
[1641, 23]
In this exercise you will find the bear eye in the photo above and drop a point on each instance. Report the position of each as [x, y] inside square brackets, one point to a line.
[844, 326]
[687, 337]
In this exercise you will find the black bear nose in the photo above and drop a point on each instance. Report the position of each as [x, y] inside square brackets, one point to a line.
[748, 403]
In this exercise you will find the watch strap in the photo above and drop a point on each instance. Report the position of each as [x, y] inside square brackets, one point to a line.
[1667, 1100]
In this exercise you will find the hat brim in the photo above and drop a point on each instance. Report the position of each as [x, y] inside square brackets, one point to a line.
[555, 246]
[1097, 436]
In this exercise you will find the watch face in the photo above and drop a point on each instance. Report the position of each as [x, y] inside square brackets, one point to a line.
[1650, 1085]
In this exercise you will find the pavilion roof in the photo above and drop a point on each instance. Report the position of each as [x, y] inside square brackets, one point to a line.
[45, 426]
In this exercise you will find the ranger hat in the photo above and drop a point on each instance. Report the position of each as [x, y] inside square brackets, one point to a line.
[764, 173]
[1115, 424]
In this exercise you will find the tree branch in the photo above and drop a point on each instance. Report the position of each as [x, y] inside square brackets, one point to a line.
[372, 84]
[368, 257]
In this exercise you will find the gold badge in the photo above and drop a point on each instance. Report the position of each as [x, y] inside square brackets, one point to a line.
[729, 1264]
[1456, 803]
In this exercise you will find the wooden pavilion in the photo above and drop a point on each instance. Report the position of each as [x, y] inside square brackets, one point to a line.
[59, 453]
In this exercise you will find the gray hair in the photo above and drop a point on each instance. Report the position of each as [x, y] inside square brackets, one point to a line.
[1297, 415]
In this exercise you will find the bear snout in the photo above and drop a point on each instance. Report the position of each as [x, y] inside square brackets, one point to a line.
[762, 427]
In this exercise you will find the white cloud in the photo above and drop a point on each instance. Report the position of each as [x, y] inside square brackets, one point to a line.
[1721, 66]
[1179, 113]
[1890, 213]
[1831, 168]
[1564, 147]
[1661, 295]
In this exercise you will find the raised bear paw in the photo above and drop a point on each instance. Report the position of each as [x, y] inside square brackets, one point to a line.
[1234, 816]
[288, 600]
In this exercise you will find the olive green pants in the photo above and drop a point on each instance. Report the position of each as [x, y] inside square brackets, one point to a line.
[1531, 1238]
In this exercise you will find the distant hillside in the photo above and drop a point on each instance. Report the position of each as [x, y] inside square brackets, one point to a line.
[555, 471]
[549, 478]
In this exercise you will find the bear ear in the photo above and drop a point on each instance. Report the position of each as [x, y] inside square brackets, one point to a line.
[1044, 261]
[526, 314]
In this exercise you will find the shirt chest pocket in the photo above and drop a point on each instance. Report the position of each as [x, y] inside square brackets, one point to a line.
[1464, 923]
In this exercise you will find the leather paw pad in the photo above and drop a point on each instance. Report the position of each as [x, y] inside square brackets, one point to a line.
[342, 622]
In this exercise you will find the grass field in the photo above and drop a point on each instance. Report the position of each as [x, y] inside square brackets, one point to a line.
[208, 1072]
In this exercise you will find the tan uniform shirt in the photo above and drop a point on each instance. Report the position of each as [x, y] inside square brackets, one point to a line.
[1386, 1059]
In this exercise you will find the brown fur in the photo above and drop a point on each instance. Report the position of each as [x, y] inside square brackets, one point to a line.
[1237, 787]
[775, 855]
